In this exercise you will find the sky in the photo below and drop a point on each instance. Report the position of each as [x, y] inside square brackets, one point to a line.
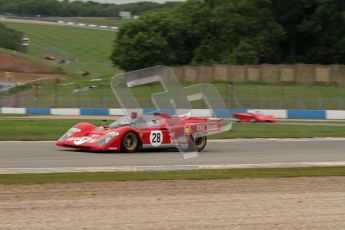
[131, 1]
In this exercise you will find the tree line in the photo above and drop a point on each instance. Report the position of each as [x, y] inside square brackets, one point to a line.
[9, 38]
[68, 8]
[235, 32]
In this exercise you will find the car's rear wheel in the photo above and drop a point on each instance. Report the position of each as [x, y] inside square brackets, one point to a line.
[200, 143]
[130, 142]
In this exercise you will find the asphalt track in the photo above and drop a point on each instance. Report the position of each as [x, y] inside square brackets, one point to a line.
[16, 156]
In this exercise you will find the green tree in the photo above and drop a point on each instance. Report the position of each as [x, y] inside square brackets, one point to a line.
[138, 49]
[327, 27]
[205, 32]
[294, 16]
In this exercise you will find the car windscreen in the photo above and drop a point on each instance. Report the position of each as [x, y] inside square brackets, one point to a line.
[120, 122]
[146, 121]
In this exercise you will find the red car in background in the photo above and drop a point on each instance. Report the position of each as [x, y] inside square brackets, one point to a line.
[130, 134]
[254, 116]
[50, 58]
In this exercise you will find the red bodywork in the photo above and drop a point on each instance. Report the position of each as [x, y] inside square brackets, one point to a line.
[173, 131]
[254, 117]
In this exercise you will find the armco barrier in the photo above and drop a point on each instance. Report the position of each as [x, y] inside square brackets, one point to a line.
[44, 111]
[282, 114]
[306, 114]
[94, 111]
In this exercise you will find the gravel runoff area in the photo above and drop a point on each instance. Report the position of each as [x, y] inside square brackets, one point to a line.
[285, 203]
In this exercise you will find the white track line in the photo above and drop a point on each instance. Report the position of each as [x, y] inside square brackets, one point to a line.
[168, 167]
[314, 139]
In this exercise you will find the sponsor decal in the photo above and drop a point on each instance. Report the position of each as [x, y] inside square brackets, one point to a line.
[81, 140]
[182, 140]
[212, 127]
[71, 139]
[156, 138]
[200, 128]
[186, 130]
[112, 148]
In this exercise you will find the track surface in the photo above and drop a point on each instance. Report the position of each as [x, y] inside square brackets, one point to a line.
[240, 151]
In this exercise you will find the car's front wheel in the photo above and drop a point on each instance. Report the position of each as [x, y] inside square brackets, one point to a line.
[130, 142]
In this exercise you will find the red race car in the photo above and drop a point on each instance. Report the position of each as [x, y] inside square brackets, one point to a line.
[254, 117]
[130, 134]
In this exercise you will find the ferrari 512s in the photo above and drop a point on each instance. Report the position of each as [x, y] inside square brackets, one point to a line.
[254, 116]
[132, 133]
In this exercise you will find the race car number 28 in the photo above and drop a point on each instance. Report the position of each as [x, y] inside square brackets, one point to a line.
[156, 138]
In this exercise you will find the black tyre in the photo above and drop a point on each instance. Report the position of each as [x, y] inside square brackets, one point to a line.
[200, 142]
[130, 142]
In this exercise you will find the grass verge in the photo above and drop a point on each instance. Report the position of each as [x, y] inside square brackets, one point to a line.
[89, 48]
[17, 129]
[280, 130]
[170, 175]
[35, 130]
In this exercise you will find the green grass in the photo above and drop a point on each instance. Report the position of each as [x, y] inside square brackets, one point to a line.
[245, 96]
[263, 130]
[35, 129]
[41, 129]
[169, 175]
[89, 47]
[289, 96]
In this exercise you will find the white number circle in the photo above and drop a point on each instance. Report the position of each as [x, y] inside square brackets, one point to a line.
[156, 138]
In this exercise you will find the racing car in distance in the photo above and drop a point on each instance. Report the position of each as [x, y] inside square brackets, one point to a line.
[254, 116]
[130, 134]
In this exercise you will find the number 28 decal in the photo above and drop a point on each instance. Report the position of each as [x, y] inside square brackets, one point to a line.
[156, 138]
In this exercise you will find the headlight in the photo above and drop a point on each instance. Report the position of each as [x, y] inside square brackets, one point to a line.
[107, 138]
[104, 140]
[69, 133]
